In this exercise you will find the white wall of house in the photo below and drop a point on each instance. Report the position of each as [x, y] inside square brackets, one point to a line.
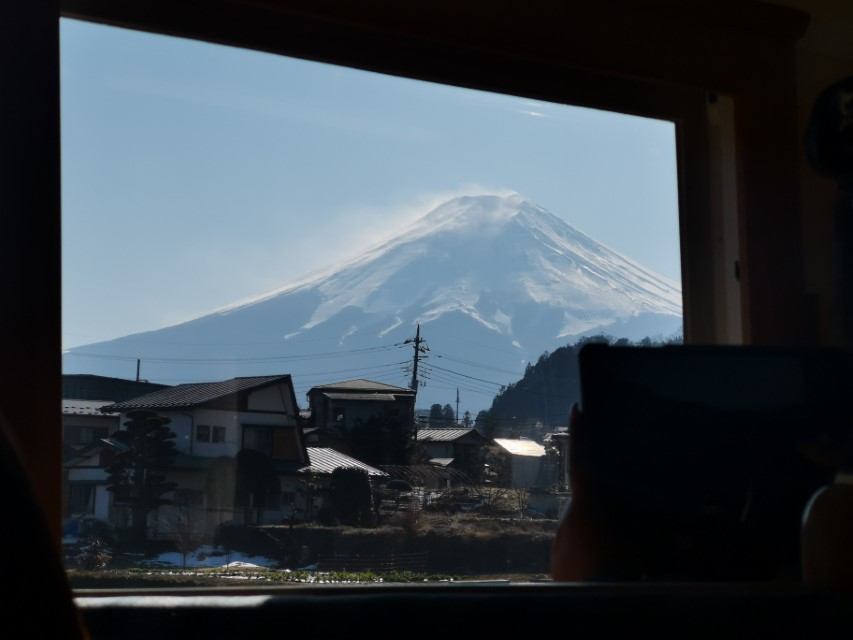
[276, 398]
[186, 440]
[215, 418]
[90, 474]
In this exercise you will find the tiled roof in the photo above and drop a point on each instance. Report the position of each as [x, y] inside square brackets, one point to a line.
[521, 447]
[363, 385]
[442, 435]
[194, 394]
[83, 407]
[323, 460]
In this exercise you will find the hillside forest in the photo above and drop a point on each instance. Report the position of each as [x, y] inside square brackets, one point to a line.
[542, 400]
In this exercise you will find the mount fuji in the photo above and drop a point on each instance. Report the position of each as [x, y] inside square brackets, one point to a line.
[490, 283]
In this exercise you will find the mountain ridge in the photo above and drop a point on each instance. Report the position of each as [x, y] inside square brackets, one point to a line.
[499, 272]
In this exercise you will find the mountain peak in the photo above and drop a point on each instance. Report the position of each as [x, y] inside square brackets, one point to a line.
[495, 280]
[475, 213]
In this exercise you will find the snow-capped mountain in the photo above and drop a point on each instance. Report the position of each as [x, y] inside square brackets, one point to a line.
[493, 282]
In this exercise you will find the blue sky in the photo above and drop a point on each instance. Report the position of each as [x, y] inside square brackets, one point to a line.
[196, 175]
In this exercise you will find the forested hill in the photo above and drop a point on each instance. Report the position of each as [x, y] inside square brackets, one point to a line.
[542, 400]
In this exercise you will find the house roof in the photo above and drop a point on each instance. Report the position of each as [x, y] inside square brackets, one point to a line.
[323, 460]
[421, 474]
[445, 434]
[372, 397]
[185, 396]
[362, 385]
[93, 387]
[84, 407]
[521, 447]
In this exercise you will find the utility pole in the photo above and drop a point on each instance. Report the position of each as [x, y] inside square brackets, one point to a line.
[418, 351]
[457, 405]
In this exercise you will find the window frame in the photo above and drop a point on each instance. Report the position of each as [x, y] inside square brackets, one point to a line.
[666, 75]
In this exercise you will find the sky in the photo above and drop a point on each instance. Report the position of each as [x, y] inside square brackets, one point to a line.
[196, 175]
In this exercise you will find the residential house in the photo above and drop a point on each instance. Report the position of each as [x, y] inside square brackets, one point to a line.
[83, 427]
[462, 449]
[82, 397]
[216, 424]
[523, 468]
[558, 442]
[83, 458]
[322, 463]
[346, 404]
[369, 420]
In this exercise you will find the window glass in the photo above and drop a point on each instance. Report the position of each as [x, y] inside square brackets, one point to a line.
[423, 262]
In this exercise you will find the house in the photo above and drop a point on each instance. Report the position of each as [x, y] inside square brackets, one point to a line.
[524, 463]
[462, 449]
[83, 426]
[368, 420]
[558, 441]
[84, 482]
[83, 423]
[342, 405]
[225, 429]
[322, 463]
[213, 422]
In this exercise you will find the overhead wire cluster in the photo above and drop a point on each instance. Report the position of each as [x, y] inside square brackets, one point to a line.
[396, 372]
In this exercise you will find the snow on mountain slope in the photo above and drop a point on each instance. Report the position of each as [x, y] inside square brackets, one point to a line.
[492, 280]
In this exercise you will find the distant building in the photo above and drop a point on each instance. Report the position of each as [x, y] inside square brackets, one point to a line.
[371, 421]
[524, 458]
[462, 449]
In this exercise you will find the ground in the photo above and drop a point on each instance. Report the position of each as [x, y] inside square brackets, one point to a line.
[207, 566]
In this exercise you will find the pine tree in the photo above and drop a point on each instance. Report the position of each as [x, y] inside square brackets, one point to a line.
[146, 448]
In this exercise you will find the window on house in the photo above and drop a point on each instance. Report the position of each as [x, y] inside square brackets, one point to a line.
[209, 433]
[258, 438]
[202, 432]
[81, 499]
[85, 435]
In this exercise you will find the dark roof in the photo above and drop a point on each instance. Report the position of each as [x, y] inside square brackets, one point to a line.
[362, 385]
[185, 396]
[85, 386]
